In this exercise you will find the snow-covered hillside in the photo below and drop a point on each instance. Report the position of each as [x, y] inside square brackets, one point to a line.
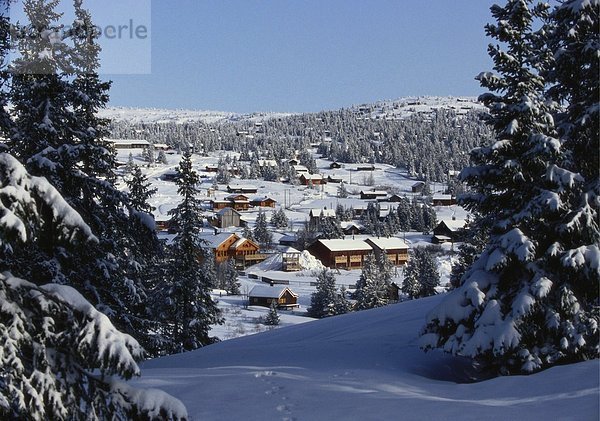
[180, 116]
[362, 366]
[388, 109]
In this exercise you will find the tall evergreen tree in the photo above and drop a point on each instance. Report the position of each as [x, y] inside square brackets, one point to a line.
[372, 288]
[326, 301]
[140, 190]
[420, 275]
[187, 309]
[58, 352]
[261, 231]
[532, 295]
[56, 94]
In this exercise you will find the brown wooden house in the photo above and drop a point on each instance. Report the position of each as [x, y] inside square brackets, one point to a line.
[341, 253]
[314, 179]
[264, 295]
[443, 200]
[238, 202]
[245, 253]
[395, 249]
[263, 201]
[220, 243]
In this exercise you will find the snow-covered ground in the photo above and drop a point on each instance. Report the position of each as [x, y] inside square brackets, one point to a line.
[362, 366]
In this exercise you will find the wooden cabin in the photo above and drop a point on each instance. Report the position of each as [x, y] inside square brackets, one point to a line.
[418, 187]
[341, 253]
[365, 167]
[443, 200]
[264, 295]
[238, 202]
[246, 253]
[263, 201]
[227, 217]
[395, 249]
[373, 194]
[219, 243]
[314, 179]
[242, 189]
[448, 231]
[335, 165]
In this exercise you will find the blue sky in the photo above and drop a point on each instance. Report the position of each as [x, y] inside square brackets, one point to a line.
[296, 55]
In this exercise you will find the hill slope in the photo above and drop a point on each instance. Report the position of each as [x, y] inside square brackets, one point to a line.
[365, 366]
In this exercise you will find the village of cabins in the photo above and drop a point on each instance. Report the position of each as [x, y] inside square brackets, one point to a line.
[226, 214]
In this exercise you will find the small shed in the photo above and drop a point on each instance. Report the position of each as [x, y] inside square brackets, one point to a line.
[443, 200]
[264, 295]
[418, 187]
[334, 165]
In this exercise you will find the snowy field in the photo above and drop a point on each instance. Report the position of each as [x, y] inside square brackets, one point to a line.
[362, 366]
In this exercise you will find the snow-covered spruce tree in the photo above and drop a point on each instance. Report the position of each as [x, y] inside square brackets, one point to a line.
[474, 240]
[232, 284]
[56, 94]
[421, 275]
[162, 158]
[372, 288]
[6, 122]
[140, 190]
[531, 299]
[58, 352]
[186, 308]
[279, 219]
[323, 301]
[272, 317]
[261, 231]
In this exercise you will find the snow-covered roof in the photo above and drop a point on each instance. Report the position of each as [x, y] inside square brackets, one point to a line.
[268, 291]
[227, 210]
[344, 244]
[241, 187]
[267, 163]
[300, 168]
[392, 243]
[127, 141]
[454, 224]
[312, 176]
[238, 243]
[442, 197]
[327, 213]
[374, 192]
[213, 240]
[262, 199]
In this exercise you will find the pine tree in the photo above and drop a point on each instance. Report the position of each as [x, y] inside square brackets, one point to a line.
[49, 330]
[261, 231]
[531, 296]
[272, 317]
[56, 94]
[279, 219]
[232, 284]
[140, 191]
[326, 301]
[342, 192]
[421, 275]
[372, 288]
[187, 311]
[162, 158]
